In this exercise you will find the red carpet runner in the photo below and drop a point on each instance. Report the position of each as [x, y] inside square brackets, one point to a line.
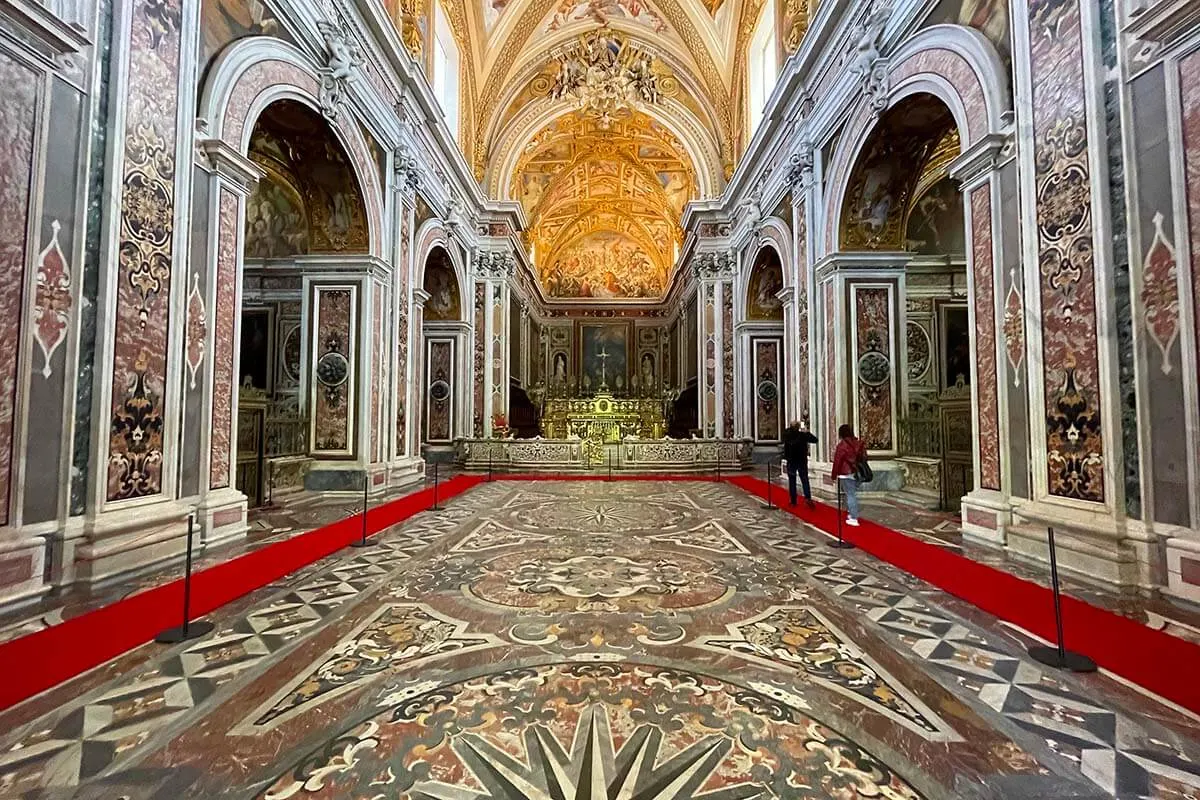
[31, 664]
[1157, 661]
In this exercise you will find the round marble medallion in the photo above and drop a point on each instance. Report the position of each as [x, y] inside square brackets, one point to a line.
[332, 369]
[591, 731]
[599, 582]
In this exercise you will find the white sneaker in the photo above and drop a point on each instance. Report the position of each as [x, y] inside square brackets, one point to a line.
[852, 521]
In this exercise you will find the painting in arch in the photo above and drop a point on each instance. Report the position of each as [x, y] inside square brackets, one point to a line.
[645, 301]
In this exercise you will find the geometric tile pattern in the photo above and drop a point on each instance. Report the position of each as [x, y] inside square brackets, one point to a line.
[401, 634]
[798, 637]
[87, 737]
[1124, 756]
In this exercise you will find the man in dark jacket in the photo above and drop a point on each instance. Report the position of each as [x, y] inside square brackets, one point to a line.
[795, 451]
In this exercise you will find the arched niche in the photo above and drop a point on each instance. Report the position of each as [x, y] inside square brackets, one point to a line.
[441, 284]
[309, 200]
[765, 281]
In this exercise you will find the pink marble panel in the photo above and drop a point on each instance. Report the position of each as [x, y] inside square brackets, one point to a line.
[14, 570]
[418, 381]
[145, 257]
[230, 516]
[802, 309]
[876, 373]
[333, 364]
[480, 354]
[1065, 231]
[224, 345]
[984, 303]
[1189, 82]
[1189, 571]
[831, 374]
[440, 369]
[982, 519]
[954, 69]
[258, 78]
[402, 328]
[376, 369]
[17, 123]
[768, 409]
[727, 357]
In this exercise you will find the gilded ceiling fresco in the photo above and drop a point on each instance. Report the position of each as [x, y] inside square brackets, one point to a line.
[310, 201]
[602, 12]
[903, 155]
[604, 206]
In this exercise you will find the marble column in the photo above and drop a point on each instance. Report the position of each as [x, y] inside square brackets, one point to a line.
[405, 464]
[213, 339]
[492, 297]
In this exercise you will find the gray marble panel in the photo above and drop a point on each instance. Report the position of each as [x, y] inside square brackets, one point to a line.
[1017, 379]
[193, 399]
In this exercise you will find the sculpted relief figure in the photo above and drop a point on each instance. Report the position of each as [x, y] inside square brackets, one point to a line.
[345, 58]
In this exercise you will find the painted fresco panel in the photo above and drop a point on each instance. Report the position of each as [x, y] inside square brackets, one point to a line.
[1065, 231]
[604, 357]
[17, 124]
[334, 373]
[141, 310]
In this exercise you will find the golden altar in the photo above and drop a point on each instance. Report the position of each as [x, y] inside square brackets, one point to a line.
[603, 417]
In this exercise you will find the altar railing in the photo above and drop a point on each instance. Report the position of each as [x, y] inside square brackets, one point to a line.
[586, 455]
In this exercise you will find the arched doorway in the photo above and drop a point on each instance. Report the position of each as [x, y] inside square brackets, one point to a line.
[909, 354]
[761, 349]
[304, 306]
[444, 333]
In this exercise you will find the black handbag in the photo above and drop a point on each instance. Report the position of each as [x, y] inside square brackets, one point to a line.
[863, 472]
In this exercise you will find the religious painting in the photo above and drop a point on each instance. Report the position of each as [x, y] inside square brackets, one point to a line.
[445, 301]
[956, 346]
[989, 17]
[493, 10]
[887, 172]
[603, 358]
[606, 266]
[256, 351]
[293, 142]
[936, 222]
[677, 185]
[225, 21]
[604, 11]
[764, 286]
[276, 220]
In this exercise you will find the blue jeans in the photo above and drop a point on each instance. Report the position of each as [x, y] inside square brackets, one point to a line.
[850, 492]
[792, 470]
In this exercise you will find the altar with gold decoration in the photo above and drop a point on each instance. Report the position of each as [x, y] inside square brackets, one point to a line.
[603, 417]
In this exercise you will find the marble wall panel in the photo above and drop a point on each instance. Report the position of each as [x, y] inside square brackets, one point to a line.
[18, 120]
[377, 369]
[1157, 268]
[198, 321]
[766, 390]
[418, 372]
[498, 383]
[1066, 247]
[984, 303]
[875, 364]
[1189, 81]
[224, 323]
[727, 430]
[144, 270]
[56, 278]
[402, 331]
[480, 355]
[828, 388]
[955, 69]
[439, 392]
[801, 366]
[710, 358]
[1016, 368]
[334, 375]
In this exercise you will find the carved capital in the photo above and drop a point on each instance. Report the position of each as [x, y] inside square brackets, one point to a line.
[714, 265]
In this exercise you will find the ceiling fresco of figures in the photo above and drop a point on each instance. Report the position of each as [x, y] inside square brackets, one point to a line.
[604, 206]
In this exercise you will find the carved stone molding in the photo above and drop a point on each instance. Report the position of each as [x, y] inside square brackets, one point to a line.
[495, 264]
[408, 170]
[711, 266]
[343, 59]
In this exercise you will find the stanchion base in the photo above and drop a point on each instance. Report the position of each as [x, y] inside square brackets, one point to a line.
[364, 543]
[436, 509]
[840, 544]
[768, 507]
[1075, 662]
[176, 635]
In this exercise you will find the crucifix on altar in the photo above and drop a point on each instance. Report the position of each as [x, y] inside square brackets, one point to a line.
[603, 356]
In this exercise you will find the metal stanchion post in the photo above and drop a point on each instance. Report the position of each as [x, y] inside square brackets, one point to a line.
[435, 489]
[188, 630]
[1059, 656]
[840, 543]
[769, 505]
[489, 462]
[363, 540]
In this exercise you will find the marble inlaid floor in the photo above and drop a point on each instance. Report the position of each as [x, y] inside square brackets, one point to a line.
[596, 640]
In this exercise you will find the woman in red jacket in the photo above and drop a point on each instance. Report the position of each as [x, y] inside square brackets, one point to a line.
[850, 451]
